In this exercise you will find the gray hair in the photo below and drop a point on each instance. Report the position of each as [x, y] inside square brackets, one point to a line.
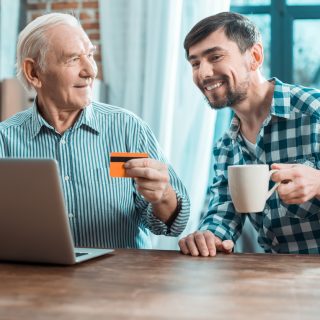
[33, 41]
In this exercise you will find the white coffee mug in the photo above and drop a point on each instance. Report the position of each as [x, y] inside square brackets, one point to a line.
[248, 186]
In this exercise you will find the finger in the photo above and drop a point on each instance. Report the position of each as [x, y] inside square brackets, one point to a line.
[282, 175]
[296, 197]
[146, 173]
[218, 244]
[152, 196]
[183, 247]
[192, 246]
[282, 165]
[290, 191]
[201, 244]
[295, 200]
[145, 163]
[285, 189]
[151, 184]
[211, 243]
[227, 246]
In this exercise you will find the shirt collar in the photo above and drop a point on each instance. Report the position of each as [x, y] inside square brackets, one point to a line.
[280, 107]
[37, 120]
[87, 119]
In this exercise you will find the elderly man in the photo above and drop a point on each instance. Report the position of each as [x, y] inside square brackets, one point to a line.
[275, 123]
[56, 58]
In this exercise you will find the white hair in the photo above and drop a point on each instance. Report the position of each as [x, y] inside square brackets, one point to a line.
[33, 41]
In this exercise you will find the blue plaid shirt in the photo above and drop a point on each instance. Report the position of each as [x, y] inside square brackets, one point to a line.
[290, 134]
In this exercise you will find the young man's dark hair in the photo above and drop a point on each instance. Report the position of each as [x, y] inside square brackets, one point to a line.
[236, 28]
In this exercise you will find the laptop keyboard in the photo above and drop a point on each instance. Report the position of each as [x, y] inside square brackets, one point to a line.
[79, 254]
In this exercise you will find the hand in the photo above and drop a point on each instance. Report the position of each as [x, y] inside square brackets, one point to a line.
[151, 176]
[204, 243]
[299, 183]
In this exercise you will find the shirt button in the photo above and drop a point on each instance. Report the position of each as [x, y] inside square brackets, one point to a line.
[66, 178]
[70, 215]
[63, 141]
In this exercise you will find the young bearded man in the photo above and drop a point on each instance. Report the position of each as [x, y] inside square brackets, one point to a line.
[275, 123]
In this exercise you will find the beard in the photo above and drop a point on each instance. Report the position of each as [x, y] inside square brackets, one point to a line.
[232, 97]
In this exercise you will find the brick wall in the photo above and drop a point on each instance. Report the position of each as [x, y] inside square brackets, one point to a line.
[86, 10]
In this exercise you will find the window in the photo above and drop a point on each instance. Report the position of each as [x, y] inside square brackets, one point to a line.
[289, 31]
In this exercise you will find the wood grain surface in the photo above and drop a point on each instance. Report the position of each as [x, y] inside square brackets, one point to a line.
[152, 284]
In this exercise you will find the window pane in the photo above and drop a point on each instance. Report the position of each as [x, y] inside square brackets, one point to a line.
[263, 22]
[306, 62]
[250, 2]
[303, 2]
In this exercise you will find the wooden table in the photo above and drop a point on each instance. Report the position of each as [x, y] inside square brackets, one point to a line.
[145, 284]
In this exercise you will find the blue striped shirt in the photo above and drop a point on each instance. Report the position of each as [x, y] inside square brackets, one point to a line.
[290, 134]
[103, 211]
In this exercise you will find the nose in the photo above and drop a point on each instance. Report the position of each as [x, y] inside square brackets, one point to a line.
[88, 67]
[205, 70]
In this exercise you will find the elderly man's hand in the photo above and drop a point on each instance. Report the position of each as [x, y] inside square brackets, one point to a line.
[204, 243]
[151, 176]
[300, 183]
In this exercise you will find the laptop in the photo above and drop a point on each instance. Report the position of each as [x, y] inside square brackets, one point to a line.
[34, 225]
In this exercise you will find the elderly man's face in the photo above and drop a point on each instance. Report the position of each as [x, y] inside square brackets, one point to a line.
[70, 69]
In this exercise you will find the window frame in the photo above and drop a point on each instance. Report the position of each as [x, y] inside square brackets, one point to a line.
[282, 19]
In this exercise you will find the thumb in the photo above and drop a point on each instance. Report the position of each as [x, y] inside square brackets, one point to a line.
[227, 246]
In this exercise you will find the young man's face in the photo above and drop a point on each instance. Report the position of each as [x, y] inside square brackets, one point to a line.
[220, 70]
[70, 69]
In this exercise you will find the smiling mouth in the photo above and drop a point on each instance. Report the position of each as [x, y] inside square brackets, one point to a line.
[81, 87]
[87, 84]
[214, 86]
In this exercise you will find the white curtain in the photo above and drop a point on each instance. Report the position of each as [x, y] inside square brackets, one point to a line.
[146, 71]
[9, 21]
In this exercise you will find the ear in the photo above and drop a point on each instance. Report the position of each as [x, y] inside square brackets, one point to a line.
[31, 73]
[256, 56]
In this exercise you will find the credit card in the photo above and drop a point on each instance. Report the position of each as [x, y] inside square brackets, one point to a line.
[117, 160]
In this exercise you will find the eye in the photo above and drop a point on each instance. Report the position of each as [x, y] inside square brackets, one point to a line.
[73, 60]
[216, 57]
[194, 64]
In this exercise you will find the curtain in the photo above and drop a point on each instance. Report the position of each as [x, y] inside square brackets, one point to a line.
[9, 23]
[146, 71]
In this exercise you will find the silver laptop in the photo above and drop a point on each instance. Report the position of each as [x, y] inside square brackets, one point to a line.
[34, 226]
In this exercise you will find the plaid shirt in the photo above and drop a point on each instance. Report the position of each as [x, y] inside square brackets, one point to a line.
[290, 134]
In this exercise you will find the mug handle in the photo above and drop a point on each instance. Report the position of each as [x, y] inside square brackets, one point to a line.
[270, 192]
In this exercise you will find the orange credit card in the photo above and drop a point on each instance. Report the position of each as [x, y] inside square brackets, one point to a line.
[117, 160]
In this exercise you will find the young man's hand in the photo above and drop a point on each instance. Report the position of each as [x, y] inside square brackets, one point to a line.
[299, 183]
[204, 243]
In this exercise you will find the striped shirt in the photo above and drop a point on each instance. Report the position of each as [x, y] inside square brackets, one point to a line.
[103, 211]
[290, 134]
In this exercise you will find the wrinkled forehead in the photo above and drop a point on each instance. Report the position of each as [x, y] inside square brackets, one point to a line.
[67, 39]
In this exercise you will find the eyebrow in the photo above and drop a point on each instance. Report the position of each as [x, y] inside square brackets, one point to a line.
[205, 53]
[73, 54]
